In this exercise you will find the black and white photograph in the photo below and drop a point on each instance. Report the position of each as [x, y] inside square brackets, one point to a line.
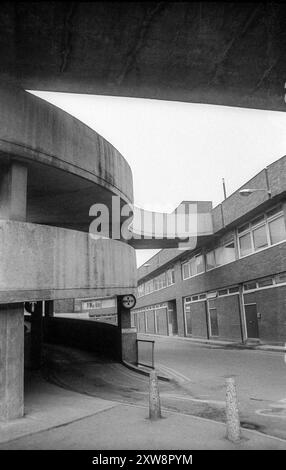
[142, 232]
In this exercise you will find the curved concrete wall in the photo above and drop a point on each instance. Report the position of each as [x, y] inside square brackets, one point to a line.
[35, 130]
[42, 262]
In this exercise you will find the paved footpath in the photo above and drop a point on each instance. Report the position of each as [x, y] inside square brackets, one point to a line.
[60, 419]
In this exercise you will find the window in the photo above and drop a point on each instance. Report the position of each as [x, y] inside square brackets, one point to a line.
[260, 238]
[233, 290]
[280, 278]
[149, 287]
[186, 270]
[163, 281]
[265, 282]
[265, 230]
[277, 230]
[211, 295]
[230, 290]
[170, 277]
[222, 292]
[155, 284]
[250, 285]
[141, 290]
[194, 266]
[229, 252]
[245, 244]
[210, 257]
[221, 255]
[218, 256]
[159, 282]
[225, 254]
[200, 265]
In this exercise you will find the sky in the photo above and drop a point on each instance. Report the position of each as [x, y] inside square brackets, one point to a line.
[180, 151]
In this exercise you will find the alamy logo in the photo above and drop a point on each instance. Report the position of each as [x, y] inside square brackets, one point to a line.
[124, 222]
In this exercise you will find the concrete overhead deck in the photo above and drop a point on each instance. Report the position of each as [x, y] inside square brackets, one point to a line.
[225, 53]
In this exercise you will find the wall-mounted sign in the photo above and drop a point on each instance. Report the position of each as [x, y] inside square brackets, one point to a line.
[128, 301]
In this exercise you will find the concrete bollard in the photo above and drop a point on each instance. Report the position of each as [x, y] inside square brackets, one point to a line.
[232, 415]
[154, 397]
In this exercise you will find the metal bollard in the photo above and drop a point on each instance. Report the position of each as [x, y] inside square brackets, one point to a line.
[154, 397]
[232, 415]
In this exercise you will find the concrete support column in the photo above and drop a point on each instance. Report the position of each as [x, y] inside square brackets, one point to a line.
[13, 202]
[128, 334]
[11, 361]
[36, 336]
[49, 308]
[13, 191]
[180, 316]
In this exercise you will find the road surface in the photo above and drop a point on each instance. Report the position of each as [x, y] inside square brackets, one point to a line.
[201, 370]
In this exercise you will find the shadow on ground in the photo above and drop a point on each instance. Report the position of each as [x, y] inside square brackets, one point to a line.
[86, 373]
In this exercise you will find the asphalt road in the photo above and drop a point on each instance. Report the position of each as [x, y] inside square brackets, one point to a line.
[198, 386]
[201, 370]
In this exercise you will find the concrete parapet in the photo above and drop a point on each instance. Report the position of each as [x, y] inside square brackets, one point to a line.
[42, 262]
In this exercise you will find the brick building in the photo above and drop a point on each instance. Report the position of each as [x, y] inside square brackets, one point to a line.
[233, 284]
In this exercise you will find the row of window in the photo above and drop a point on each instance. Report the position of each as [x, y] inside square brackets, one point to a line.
[153, 319]
[165, 279]
[98, 304]
[150, 307]
[214, 258]
[194, 266]
[251, 285]
[263, 231]
[265, 282]
[212, 294]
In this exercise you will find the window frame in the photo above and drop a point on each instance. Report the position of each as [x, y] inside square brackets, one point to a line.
[188, 264]
[223, 246]
[252, 226]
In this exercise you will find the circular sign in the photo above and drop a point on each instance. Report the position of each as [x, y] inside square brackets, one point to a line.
[128, 301]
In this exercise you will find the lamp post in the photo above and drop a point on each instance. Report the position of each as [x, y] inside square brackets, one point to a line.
[248, 191]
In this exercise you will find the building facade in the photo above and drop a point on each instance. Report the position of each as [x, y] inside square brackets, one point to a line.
[232, 286]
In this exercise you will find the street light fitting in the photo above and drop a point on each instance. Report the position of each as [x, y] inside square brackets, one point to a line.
[248, 191]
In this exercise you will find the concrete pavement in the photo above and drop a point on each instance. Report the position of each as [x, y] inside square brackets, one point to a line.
[232, 344]
[61, 419]
[47, 407]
